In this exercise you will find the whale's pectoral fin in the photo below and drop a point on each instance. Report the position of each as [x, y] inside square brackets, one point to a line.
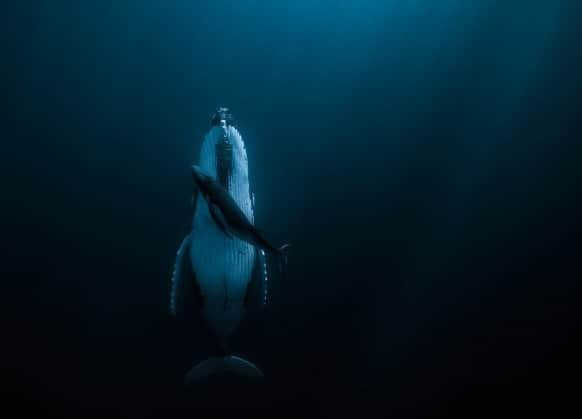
[181, 272]
[284, 252]
[256, 291]
[218, 218]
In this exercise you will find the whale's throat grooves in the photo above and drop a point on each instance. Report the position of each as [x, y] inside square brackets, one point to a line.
[224, 161]
[223, 266]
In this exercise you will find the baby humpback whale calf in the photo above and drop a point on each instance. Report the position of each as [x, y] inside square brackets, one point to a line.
[228, 216]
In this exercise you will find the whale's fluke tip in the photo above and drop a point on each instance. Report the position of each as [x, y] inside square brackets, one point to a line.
[227, 366]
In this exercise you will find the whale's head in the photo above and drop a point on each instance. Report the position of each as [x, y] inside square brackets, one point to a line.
[222, 118]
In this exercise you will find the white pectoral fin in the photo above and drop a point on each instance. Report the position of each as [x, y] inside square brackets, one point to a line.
[256, 291]
[180, 274]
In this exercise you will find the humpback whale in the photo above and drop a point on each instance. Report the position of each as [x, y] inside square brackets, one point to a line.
[221, 262]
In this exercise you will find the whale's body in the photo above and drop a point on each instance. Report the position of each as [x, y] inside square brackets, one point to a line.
[227, 274]
[222, 265]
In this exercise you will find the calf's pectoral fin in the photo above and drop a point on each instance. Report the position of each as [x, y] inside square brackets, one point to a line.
[218, 218]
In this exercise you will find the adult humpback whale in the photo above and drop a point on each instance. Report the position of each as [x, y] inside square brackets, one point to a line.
[227, 272]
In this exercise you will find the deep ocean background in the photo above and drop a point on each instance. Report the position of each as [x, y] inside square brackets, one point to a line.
[423, 158]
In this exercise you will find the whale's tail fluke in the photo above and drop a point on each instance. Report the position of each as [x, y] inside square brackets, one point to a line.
[223, 367]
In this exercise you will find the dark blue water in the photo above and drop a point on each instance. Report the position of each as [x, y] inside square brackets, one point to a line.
[423, 158]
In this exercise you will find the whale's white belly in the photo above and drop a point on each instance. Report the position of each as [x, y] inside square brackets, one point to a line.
[222, 265]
